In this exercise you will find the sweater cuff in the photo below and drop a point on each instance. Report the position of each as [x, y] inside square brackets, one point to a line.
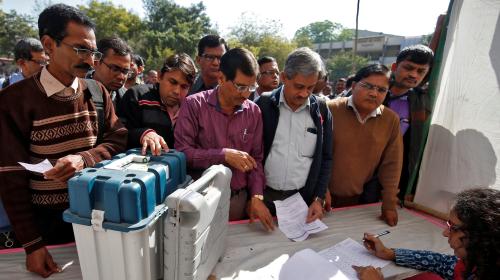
[389, 200]
[88, 159]
[33, 245]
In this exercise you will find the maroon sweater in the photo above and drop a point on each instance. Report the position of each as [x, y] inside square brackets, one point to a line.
[34, 127]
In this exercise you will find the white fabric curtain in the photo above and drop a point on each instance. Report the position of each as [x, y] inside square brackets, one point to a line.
[463, 146]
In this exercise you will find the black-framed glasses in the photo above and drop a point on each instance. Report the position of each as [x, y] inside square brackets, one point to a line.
[270, 73]
[244, 88]
[211, 57]
[452, 227]
[41, 62]
[84, 53]
[368, 86]
[117, 69]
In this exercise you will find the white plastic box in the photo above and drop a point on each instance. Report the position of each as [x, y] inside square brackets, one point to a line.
[110, 254]
[196, 225]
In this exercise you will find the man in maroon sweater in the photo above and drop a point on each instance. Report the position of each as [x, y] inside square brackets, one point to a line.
[51, 115]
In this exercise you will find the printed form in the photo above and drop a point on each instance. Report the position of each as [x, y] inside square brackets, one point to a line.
[348, 253]
[334, 263]
[292, 215]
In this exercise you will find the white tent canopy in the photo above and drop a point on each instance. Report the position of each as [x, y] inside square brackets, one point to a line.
[463, 146]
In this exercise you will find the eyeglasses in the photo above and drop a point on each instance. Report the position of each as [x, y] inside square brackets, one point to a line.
[452, 227]
[85, 53]
[244, 88]
[117, 69]
[270, 72]
[368, 86]
[40, 62]
[211, 57]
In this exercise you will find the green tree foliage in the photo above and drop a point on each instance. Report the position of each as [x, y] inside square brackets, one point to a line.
[277, 47]
[321, 31]
[345, 35]
[13, 27]
[261, 37]
[173, 28]
[341, 64]
[114, 21]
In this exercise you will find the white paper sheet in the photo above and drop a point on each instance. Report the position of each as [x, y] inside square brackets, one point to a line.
[39, 167]
[307, 264]
[348, 253]
[292, 215]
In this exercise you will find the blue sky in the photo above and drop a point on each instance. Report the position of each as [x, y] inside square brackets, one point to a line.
[399, 17]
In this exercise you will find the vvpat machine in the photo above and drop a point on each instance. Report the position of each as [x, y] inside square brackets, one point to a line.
[196, 225]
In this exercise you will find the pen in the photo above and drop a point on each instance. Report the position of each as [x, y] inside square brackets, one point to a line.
[245, 135]
[379, 234]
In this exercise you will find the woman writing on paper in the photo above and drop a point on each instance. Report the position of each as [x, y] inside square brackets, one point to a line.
[473, 233]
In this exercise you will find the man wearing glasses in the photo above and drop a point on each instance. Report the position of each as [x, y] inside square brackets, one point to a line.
[51, 115]
[221, 126]
[367, 145]
[297, 135]
[30, 58]
[114, 67]
[268, 77]
[210, 50]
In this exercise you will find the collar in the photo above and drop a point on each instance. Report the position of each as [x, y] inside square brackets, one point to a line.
[213, 99]
[403, 96]
[282, 100]
[52, 85]
[373, 114]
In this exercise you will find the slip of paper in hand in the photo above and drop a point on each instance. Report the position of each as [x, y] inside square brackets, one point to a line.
[41, 167]
[292, 215]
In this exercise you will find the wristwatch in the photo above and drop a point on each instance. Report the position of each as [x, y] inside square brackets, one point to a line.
[258, 196]
[320, 200]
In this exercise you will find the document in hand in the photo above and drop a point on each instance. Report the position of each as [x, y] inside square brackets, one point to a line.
[334, 263]
[39, 167]
[348, 253]
[292, 215]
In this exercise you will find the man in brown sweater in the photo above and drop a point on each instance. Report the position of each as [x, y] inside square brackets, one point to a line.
[367, 145]
[51, 115]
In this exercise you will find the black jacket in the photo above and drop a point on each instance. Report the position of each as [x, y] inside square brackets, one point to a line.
[319, 173]
[141, 109]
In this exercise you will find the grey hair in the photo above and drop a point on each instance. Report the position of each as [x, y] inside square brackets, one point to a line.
[304, 61]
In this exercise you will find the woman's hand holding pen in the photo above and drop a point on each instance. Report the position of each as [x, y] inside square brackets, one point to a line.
[376, 247]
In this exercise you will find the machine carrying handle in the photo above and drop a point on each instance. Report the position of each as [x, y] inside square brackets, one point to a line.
[206, 180]
[120, 164]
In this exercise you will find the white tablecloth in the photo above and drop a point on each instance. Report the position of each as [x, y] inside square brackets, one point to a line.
[250, 250]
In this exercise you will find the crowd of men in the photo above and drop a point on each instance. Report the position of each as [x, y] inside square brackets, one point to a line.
[78, 101]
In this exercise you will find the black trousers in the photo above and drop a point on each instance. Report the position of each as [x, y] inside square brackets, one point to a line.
[52, 227]
[271, 195]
